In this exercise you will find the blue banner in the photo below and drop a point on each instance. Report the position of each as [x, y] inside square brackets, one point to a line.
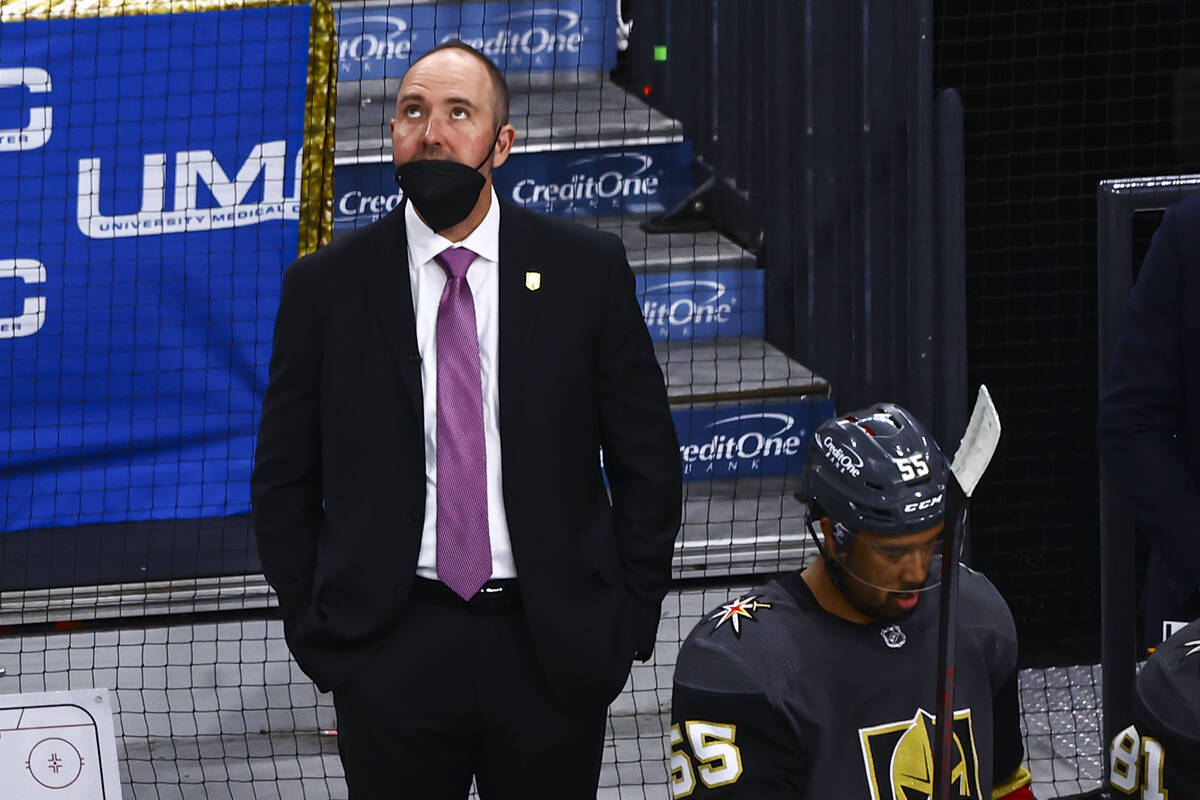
[537, 36]
[702, 305]
[602, 182]
[151, 174]
[751, 438]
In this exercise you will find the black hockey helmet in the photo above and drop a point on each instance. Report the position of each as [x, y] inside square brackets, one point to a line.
[876, 470]
[1166, 704]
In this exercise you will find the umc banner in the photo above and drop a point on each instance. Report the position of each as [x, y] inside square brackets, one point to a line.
[152, 170]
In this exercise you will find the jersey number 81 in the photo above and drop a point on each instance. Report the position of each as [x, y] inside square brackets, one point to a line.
[1137, 760]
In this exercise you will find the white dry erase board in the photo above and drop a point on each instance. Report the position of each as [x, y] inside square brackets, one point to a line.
[58, 746]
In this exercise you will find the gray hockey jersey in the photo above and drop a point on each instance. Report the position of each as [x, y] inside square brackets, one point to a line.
[775, 698]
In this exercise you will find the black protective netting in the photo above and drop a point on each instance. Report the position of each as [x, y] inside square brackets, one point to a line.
[132, 395]
[1057, 96]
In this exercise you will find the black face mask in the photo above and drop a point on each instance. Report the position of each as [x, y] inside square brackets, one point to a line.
[443, 191]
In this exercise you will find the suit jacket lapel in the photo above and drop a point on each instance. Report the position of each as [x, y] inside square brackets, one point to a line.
[518, 309]
[389, 297]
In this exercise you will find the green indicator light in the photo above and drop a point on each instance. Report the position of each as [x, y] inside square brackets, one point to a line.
[660, 52]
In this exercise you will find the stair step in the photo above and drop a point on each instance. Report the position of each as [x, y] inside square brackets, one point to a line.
[716, 370]
[595, 182]
[580, 184]
[380, 39]
[599, 116]
[672, 252]
[743, 526]
[568, 117]
[747, 437]
[709, 304]
[692, 285]
[371, 91]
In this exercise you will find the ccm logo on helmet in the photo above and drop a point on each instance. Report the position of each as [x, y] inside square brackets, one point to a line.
[922, 505]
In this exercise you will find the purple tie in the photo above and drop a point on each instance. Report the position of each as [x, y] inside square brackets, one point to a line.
[464, 554]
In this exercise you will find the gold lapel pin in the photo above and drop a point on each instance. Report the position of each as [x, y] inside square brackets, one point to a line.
[533, 281]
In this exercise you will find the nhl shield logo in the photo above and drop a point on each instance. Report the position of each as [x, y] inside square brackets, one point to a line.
[533, 281]
[893, 637]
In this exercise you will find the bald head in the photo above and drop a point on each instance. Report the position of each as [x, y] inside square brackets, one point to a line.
[499, 86]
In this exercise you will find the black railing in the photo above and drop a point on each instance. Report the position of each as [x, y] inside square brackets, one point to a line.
[813, 126]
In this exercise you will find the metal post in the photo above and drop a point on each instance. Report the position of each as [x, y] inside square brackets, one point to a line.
[921, 292]
[1116, 202]
[950, 361]
[1118, 591]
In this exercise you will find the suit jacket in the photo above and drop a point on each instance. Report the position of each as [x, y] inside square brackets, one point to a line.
[338, 487]
[1149, 426]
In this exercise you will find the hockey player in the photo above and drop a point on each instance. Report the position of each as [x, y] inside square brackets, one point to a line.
[822, 684]
[1158, 756]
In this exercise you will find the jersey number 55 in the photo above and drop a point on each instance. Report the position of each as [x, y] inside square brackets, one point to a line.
[712, 744]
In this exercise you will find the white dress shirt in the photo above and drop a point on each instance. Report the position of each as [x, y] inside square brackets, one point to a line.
[428, 280]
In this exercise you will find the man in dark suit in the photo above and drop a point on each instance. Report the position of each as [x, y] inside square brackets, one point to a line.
[428, 495]
[1149, 428]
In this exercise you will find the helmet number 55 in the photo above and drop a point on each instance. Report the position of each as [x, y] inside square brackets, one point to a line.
[912, 467]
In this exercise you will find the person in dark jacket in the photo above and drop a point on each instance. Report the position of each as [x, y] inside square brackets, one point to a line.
[428, 494]
[1149, 432]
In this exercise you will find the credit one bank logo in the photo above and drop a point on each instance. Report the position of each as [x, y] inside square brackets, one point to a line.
[356, 207]
[533, 33]
[265, 166]
[377, 38]
[606, 183]
[701, 305]
[676, 306]
[383, 45]
[612, 181]
[733, 444]
[548, 182]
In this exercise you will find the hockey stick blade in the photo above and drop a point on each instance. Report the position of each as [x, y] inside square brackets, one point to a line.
[978, 443]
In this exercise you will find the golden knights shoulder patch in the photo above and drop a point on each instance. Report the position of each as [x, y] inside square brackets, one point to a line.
[898, 757]
[733, 612]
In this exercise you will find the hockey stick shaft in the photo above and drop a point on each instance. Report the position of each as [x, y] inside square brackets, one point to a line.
[947, 642]
[970, 462]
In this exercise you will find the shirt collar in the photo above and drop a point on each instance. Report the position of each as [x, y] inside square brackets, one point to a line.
[424, 244]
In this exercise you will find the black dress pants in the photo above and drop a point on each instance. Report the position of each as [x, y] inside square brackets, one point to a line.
[457, 694]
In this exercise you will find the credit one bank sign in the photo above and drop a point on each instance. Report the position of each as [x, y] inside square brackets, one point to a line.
[748, 439]
[602, 182]
[151, 171]
[541, 36]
